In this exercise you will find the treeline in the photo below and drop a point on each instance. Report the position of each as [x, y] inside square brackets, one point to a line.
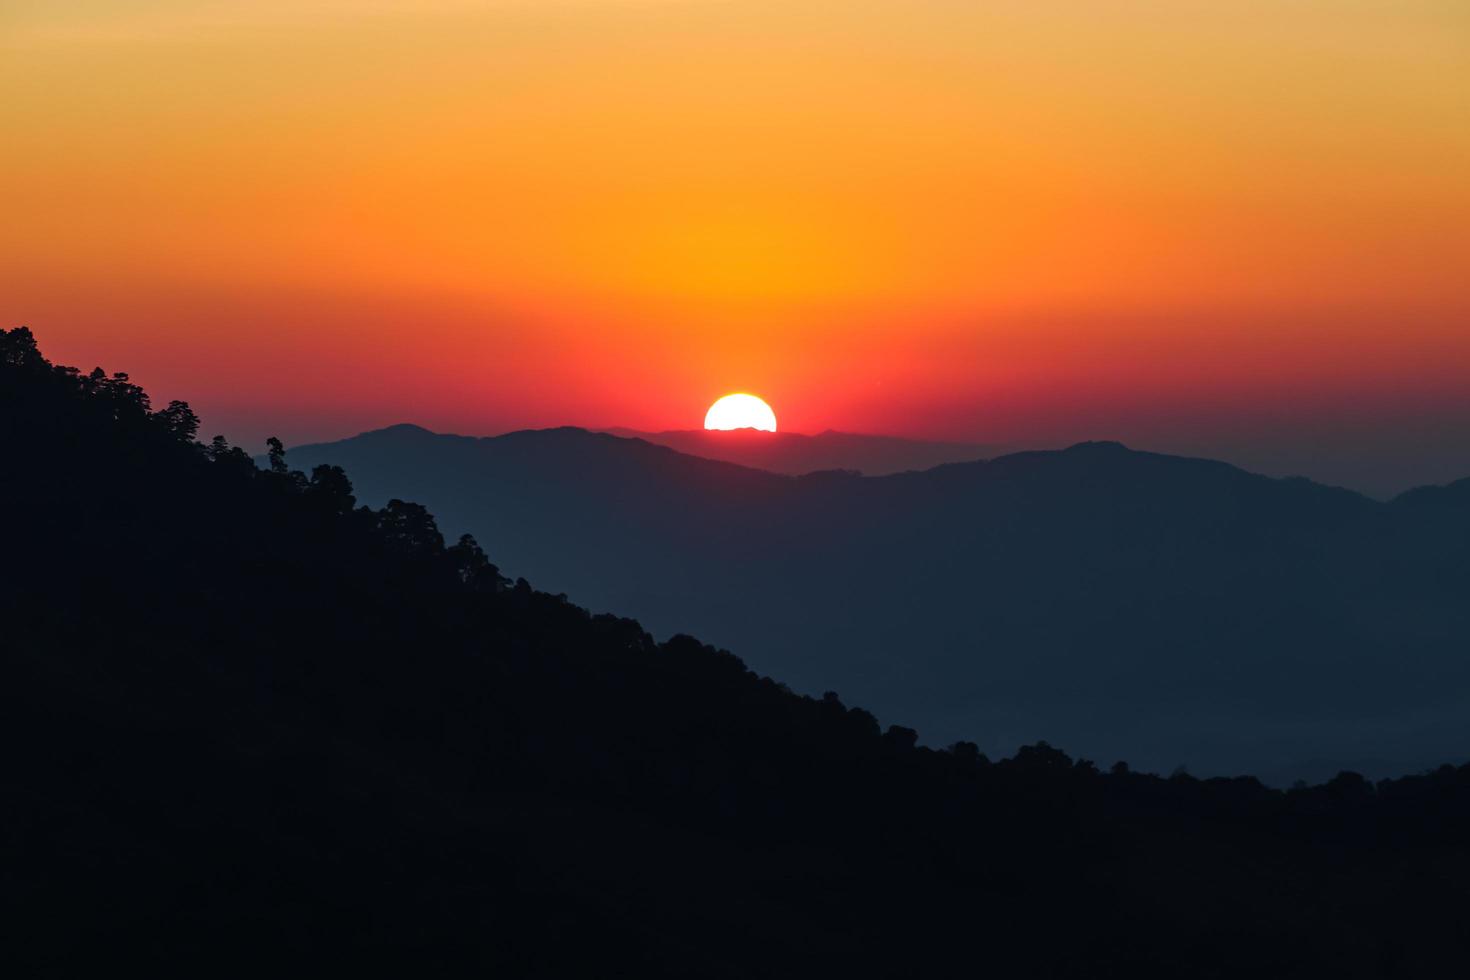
[250, 723]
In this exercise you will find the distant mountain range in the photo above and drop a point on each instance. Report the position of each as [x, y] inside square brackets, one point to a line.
[796, 454]
[1167, 610]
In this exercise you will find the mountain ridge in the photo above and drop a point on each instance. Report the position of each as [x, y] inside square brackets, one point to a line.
[1099, 446]
[796, 453]
[1012, 569]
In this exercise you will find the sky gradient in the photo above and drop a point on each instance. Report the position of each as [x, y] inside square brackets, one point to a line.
[1239, 229]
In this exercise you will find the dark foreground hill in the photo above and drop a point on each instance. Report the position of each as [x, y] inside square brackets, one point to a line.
[1158, 609]
[795, 454]
[252, 727]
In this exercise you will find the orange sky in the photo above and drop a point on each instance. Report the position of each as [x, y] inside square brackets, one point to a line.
[1182, 223]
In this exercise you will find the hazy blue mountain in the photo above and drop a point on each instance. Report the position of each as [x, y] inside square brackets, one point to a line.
[794, 453]
[1165, 610]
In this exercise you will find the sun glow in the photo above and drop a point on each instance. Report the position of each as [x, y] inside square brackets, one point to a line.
[740, 412]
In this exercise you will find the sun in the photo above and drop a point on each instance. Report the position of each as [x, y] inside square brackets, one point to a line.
[740, 412]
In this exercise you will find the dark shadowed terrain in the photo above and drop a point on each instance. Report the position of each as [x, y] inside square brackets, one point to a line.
[1163, 610]
[251, 727]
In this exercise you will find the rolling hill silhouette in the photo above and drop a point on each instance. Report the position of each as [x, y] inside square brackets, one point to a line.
[1166, 610]
[795, 454]
[251, 726]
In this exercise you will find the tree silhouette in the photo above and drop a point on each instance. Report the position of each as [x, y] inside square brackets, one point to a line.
[474, 568]
[277, 454]
[331, 488]
[410, 528]
[180, 421]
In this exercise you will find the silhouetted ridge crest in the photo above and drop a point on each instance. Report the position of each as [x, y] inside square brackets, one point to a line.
[1098, 446]
[796, 453]
[399, 428]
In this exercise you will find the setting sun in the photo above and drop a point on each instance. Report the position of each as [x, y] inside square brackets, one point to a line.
[740, 412]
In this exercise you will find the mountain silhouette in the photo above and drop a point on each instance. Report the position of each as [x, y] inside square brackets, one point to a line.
[1166, 610]
[252, 725]
[795, 454]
